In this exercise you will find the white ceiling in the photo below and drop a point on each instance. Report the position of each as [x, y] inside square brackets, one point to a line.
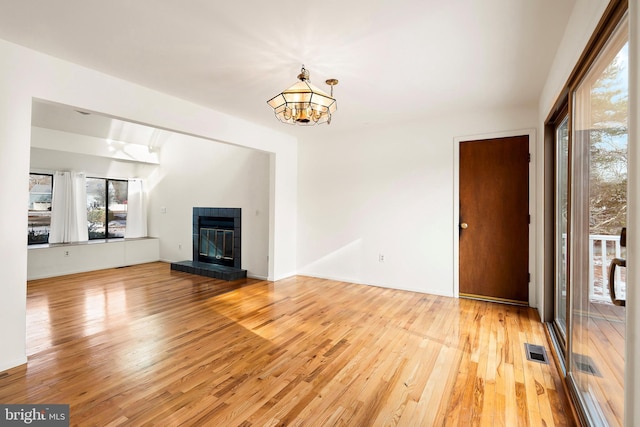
[395, 60]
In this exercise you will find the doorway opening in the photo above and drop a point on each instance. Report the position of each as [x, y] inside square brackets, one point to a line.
[494, 187]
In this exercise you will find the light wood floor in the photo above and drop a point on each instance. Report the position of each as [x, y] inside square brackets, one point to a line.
[147, 346]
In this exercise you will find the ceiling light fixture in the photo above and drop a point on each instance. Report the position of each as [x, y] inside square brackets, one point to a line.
[303, 103]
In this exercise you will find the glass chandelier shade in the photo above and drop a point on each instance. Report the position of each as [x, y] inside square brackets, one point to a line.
[303, 103]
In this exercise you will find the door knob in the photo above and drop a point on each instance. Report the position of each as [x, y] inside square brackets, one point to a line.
[464, 225]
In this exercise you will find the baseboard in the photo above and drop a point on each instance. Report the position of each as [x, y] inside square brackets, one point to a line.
[284, 276]
[13, 364]
[378, 285]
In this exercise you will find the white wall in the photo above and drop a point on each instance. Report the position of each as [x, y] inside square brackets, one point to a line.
[26, 75]
[389, 191]
[59, 260]
[15, 124]
[197, 173]
[47, 161]
[53, 150]
[74, 143]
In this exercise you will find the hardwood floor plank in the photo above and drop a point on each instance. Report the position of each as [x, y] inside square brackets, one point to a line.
[145, 345]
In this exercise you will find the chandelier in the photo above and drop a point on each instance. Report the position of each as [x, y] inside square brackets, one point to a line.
[303, 103]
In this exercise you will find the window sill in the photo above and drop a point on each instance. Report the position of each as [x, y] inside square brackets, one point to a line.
[90, 242]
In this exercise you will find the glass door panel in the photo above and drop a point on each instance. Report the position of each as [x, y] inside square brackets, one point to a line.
[561, 221]
[598, 212]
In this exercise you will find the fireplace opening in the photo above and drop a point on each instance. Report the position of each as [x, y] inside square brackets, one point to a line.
[215, 243]
[216, 240]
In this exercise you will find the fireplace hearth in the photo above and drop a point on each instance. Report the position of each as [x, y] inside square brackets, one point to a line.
[216, 244]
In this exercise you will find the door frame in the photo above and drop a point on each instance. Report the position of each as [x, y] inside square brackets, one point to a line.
[535, 210]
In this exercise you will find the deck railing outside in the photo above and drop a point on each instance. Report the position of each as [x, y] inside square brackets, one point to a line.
[602, 249]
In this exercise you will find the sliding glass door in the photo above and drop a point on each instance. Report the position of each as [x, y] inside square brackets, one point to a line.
[596, 334]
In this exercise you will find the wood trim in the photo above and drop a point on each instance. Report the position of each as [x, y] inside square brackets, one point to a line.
[603, 31]
[560, 107]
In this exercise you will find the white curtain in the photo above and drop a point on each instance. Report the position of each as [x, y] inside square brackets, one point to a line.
[69, 208]
[136, 210]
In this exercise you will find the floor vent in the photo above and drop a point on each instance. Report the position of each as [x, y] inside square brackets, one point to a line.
[536, 353]
[585, 364]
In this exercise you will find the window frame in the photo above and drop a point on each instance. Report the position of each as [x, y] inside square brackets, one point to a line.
[611, 18]
[29, 210]
[106, 207]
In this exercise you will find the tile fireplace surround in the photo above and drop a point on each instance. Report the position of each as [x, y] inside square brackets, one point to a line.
[209, 268]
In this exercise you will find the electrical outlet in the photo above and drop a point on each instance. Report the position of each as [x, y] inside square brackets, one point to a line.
[381, 258]
[66, 253]
[179, 246]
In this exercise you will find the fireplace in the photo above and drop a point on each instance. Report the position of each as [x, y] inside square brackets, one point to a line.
[216, 244]
[216, 236]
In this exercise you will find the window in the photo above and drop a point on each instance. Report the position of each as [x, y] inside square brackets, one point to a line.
[40, 187]
[106, 207]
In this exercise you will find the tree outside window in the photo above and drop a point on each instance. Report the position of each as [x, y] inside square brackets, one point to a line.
[608, 147]
[106, 208]
[40, 189]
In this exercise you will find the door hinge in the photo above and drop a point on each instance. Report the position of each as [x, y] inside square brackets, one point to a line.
[528, 219]
[528, 277]
[529, 157]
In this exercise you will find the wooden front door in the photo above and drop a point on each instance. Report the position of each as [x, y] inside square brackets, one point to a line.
[494, 219]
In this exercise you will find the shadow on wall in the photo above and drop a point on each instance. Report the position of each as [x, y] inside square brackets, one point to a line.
[345, 263]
